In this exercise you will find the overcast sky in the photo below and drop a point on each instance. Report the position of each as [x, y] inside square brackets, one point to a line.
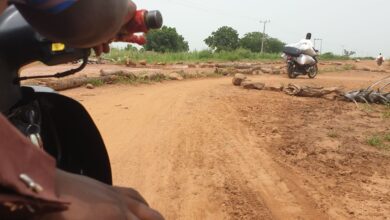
[359, 25]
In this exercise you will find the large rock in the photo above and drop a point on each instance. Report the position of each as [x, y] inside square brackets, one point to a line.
[175, 76]
[238, 79]
[275, 71]
[247, 84]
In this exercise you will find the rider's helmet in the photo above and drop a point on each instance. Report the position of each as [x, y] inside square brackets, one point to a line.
[308, 36]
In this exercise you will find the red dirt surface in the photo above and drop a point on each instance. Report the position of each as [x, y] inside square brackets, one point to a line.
[204, 149]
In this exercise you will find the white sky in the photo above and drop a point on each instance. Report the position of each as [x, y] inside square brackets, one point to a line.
[358, 25]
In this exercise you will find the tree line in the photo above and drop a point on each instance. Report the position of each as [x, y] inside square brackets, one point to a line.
[224, 39]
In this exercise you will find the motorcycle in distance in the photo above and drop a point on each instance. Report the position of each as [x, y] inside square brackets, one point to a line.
[299, 63]
[55, 123]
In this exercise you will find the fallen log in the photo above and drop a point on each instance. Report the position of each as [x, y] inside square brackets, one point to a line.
[310, 91]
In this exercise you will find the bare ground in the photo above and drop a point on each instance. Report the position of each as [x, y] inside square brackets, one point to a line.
[203, 149]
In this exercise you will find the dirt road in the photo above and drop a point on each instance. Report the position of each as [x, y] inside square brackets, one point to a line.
[203, 149]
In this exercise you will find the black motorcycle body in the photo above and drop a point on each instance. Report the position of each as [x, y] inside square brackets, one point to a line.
[58, 124]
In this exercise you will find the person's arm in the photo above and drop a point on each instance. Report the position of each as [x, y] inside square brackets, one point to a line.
[82, 24]
[27, 185]
[32, 187]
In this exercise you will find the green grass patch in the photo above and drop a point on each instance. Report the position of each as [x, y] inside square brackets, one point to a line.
[386, 112]
[380, 141]
[121, 56]
[375, 141]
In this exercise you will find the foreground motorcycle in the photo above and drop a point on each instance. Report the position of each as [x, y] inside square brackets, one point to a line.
[56, 123]
[298, 63]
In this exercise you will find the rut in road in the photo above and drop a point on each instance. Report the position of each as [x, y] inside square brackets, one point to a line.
[183, 146]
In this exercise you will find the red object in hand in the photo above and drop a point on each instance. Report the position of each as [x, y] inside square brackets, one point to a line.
[141, 22]
[137, 24]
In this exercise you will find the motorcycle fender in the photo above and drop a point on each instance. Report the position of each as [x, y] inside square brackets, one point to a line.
[69, 126]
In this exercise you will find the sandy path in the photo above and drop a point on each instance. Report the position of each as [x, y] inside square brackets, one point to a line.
[188, 149]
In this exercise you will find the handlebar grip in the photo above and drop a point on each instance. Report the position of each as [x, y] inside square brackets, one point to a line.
[153, 19]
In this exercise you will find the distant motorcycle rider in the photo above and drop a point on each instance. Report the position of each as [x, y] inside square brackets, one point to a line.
[380, 59]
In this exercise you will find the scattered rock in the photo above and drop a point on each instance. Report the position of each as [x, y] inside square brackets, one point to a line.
[191, 66]
[89, 86]
[244, 71]
[207, 66]
[143, 62]
[276, 71]
[238, 79]
[366, 69]
[247, 84]
[266, 70]
[224, 65]
[161, 63]
[224, 72]
[152, 76]
[243, 66]
[108, 72]
[175, 76]
[130, 63]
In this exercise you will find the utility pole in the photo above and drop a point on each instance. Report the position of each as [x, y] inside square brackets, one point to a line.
[342, 50]
[262, 40]
[320, 40]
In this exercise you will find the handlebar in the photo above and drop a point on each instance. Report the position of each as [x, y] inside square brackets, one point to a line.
[142, 22]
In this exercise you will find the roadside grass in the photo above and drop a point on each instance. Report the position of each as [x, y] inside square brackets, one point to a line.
[345, 67]
[386, 112]
[147, 78]
[367, 108]
[379, 141]
[121, 56]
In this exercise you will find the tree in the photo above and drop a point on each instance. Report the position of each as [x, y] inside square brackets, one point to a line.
[273, 45]
[225, 38]
[252, 42]
[165, 40]
[348, 53]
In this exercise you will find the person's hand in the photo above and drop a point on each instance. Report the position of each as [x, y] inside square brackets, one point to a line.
[105, 47]
[90, 199]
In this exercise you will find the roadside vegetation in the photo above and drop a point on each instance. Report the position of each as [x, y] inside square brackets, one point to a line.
[168, 46]
[380, 141]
